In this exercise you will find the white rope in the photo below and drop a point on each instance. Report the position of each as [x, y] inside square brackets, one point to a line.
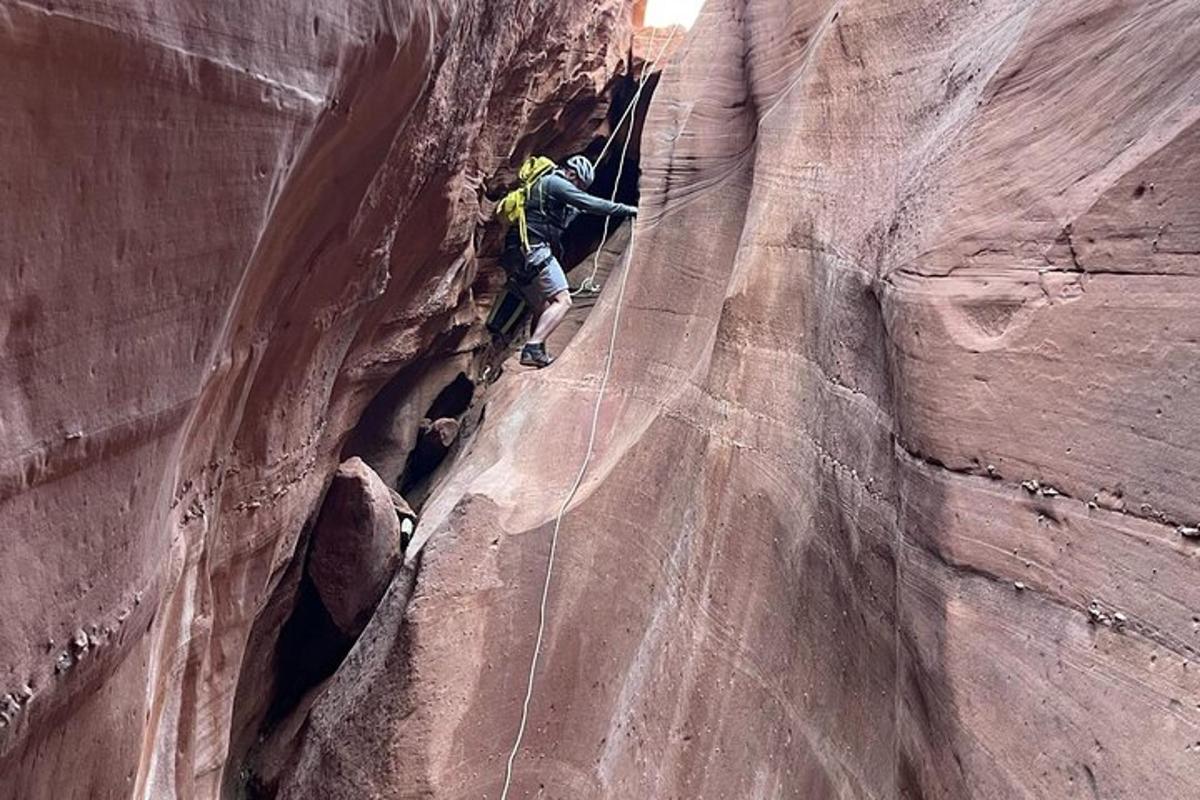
[587, 457]
[589, 285]
[647, 71]
[559, 518]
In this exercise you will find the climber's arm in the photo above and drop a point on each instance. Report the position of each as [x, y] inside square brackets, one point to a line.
[562, 189]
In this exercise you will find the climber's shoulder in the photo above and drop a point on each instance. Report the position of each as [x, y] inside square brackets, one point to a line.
[557, 184]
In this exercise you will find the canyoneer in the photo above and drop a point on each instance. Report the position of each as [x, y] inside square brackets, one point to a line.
[539, 211]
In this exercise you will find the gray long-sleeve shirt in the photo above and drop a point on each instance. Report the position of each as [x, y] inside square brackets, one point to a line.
[554, 201]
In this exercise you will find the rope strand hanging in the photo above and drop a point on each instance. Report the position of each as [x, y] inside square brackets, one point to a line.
[589, 285]
[587, 457]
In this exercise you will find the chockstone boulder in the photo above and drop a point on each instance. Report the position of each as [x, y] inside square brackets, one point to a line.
[356, 545]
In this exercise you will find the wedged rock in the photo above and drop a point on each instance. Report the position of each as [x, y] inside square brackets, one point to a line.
[356, 545]
[439, 433]
[434, 439]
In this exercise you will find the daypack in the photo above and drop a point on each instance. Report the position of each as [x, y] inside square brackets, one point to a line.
[512, 208]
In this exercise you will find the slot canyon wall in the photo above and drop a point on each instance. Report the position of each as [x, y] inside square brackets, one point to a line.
[226, 226]
[897, 465]
[892, 467]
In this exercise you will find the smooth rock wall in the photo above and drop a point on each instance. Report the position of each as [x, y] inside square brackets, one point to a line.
[226, 226]
[896, 262]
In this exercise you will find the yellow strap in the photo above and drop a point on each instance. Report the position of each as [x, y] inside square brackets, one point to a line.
[523, 229]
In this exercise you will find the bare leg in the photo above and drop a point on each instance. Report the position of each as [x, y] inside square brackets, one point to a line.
[536, 316]
[551, 316]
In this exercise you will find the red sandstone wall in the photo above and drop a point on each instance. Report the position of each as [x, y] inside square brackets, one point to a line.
[896, 261]
[226, 224]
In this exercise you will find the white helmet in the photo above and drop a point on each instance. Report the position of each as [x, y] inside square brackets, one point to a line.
[583, 168]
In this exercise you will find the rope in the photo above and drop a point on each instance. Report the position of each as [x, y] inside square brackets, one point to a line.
[558, 523]
[647, 71]
[589, 285]
[587, 457]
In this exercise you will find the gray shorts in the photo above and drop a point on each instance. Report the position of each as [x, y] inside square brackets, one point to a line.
[549, 282]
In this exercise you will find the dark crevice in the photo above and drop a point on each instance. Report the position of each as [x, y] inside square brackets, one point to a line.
[454, 399]
[310, 649]
[439, 433]
[584, 234]
[310, 646]
[371, 438]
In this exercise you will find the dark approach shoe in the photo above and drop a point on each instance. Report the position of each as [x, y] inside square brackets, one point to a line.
[535, 355]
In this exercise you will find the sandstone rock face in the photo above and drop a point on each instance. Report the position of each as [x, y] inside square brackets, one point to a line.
[893, 470]
[226, 226]
[356, 545]
[896, 262]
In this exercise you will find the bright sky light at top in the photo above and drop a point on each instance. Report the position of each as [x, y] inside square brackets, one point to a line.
[660, 13]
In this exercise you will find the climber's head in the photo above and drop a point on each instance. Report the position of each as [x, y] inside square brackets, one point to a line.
[579, 171]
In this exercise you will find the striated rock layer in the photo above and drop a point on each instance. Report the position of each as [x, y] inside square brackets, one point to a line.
[226, 225]
[900, 428]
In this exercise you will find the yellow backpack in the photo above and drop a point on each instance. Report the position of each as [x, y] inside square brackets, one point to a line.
[512, 208]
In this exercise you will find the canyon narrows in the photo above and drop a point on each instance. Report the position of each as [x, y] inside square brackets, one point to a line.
[895, 489]
[227, 227]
